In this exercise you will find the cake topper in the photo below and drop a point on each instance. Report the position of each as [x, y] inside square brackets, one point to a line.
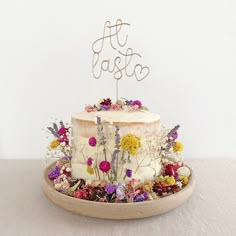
[122, 64]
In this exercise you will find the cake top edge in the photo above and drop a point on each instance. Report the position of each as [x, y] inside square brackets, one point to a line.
[118, 116]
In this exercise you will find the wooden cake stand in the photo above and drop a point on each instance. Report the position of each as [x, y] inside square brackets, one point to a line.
[117, 211]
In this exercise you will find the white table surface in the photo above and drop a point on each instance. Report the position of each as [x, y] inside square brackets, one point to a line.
[24, 210]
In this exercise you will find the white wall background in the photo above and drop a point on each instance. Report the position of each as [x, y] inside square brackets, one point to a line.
[45, 68]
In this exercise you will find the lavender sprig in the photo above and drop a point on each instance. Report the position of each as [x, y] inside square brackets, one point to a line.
[116, 151]
[53, 132]
[171, 142]
[102, 138]
[62, 124]
[55, 127]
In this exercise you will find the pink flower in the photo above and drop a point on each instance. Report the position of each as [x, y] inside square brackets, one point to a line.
[137, 102]
[78, 194]
[133, 108]
[89, 108]
[90, 161]
[62, 131]
[104, 166]
[92, 141]
[175, 135]
[115, 107]
[81, 194]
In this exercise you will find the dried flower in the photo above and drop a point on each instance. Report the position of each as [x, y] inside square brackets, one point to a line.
[54, 173]
[136, 103]
[90, 170]
[54, 144]
[130, 143]
[106, 102]
[120, 191]
[133, 107]
[64, 139]
[141, 198]
[115, 107]
[171, 170]
[184, 171]
[104, 166]
[147, 186]
[90, 108]
[169, 180]
[129, 173]
[81, 194]
[90, 161]
[174, 135]
[92, 141]
[110, 189]
[62, 131]
[178, 147]
[184, 180]
[105, 107]
[65, 185]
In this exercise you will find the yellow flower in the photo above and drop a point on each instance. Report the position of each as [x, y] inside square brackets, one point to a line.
[90, 170]
[169, 180]
[178, 147]
[184, 180]
[54, 144]
[147, 186]
[130, 143]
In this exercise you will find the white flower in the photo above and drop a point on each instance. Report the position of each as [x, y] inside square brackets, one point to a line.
[184, 171]
[179, 184]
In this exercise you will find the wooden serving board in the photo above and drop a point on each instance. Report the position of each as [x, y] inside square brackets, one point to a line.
[117, 211]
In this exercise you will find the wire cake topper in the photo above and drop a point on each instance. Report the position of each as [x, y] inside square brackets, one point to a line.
[122, 64]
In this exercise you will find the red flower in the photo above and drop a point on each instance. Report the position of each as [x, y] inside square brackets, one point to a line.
[106, 102]
[78, 194]
[104, 166]
[81, 194]
[171, 170]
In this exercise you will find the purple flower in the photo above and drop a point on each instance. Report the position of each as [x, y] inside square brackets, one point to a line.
[54, 173]
[129, 173]
[90, 161]
[174, 135]
[105, 107]
[128, 102]
[110, 189]
[141, 198]
[92, 141]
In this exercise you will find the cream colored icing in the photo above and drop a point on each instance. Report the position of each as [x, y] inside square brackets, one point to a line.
[143, 124]
[118, 116]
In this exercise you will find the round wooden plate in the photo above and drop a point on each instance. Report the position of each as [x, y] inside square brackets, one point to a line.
[117, 211]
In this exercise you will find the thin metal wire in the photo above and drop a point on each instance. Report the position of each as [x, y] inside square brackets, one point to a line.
[139, 72]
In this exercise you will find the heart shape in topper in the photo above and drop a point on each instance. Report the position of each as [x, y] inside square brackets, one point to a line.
[141, 72]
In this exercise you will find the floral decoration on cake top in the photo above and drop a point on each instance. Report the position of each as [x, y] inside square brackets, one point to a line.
[106, 104]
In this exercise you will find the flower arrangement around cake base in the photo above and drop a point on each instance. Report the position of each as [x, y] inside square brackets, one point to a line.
[107, 187]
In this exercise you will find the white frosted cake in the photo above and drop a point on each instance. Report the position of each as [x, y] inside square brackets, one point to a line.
[115, 151]
[141, 125]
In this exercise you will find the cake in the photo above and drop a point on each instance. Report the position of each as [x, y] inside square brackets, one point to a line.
[140, 123]
[116, 151]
